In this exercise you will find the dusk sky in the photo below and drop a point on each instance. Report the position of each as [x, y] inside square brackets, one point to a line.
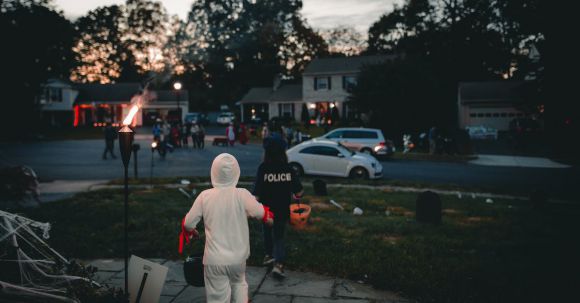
[320, 14]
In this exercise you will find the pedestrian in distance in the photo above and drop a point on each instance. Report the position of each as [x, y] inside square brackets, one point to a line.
[432, 140]
[231, 134]
[185, 135]
[201, 136]
[265, 131]
[110, 136]
[194, 134]
[243, 135]
[274, 185]
[225, 210]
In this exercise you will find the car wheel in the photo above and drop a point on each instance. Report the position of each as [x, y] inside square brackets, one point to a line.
[359, 173]
[297, 168]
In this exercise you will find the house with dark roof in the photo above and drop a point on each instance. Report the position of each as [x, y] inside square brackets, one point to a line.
[72, 104]
[326, 86]
[492, 103]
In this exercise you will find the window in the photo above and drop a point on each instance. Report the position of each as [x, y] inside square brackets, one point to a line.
[335, 135]
[356, 134]
[54, 94]
[322, 83]
[480, 115]
[348, 83]
[287, 110]
[488, 115]
[504, 114]
[472, 115]
[321, 151]
[496, 115]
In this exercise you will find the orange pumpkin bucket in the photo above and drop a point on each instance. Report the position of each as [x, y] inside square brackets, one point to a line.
[299, 214]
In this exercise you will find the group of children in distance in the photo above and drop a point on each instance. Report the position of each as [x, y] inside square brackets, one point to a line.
[225, 209]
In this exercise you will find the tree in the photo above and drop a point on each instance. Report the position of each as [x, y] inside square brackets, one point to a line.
[247, 43]
[389, 92]
[344, 40]
[99, 49]
[38, 47]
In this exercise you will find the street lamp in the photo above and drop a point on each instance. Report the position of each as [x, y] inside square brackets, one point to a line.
[177, 88]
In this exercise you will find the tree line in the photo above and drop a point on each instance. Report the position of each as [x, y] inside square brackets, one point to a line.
[225, 47]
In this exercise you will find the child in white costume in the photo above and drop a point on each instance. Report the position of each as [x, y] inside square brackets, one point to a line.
[224, 209]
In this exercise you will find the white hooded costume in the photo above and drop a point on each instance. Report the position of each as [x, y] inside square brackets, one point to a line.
[224, 209]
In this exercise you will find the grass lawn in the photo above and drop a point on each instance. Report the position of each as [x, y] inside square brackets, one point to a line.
[500, 252]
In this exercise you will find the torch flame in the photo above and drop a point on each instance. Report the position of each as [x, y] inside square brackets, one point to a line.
[129, 119]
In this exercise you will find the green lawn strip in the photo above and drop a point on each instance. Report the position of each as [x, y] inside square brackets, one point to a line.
[481, 253]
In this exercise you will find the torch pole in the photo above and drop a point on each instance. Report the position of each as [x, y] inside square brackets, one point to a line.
[126, 232]
[126, 136]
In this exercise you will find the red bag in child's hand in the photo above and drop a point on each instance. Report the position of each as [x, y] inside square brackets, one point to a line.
[268, 217]
[186, 235]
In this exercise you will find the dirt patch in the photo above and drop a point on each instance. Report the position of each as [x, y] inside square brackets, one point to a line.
[451, 211]
[392, 239]
[397, 210]
[320, 206]
[475, 220]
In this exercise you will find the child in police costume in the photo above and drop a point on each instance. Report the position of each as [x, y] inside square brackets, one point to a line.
[275, 183]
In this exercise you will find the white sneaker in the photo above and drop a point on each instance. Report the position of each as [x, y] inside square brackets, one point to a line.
[278, 271]
[268, 260]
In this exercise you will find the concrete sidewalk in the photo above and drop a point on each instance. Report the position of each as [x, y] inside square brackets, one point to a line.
[298, 287]
[516, 161]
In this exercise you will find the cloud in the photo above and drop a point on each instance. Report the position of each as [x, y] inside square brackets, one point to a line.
[360, 14]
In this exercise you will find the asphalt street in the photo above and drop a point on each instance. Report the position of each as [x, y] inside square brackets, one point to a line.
[82, 160]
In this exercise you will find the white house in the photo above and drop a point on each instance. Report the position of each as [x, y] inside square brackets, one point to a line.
[492, 104]
[326, 83]
[72, 104]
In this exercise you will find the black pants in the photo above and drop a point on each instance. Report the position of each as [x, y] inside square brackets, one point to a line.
[110, 144]
[274, 239]
[201, 141]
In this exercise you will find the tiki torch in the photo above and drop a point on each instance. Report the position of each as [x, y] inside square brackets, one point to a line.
[126, 136]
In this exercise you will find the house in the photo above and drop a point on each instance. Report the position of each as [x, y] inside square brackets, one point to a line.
[492, 104]
[326, 86]
[63, 104]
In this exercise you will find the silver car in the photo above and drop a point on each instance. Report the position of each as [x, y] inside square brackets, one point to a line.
[365, 140]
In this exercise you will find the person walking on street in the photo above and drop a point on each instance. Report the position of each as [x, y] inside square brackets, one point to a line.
[243, 134]
[265, 131]
[275, 183]
[201, 136]
[185, 135]
[231, 134]
[194, 133]
[289, 132]
[432, 140]
[110, 136]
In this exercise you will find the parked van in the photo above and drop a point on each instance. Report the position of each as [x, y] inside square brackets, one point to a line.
[366, 140]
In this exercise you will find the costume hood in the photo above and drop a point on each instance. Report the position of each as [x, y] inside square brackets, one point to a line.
[225, 171]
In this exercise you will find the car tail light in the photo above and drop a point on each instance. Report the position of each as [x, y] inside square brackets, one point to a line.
[382, 143]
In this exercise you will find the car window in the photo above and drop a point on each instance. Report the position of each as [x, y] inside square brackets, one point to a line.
[360, 134]
[321, 151]
[335, 135]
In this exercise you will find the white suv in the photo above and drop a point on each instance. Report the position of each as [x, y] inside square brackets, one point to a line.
[365, 140]
[225, 118]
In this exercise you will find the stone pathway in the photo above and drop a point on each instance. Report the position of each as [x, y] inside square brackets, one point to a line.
[298, 287]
